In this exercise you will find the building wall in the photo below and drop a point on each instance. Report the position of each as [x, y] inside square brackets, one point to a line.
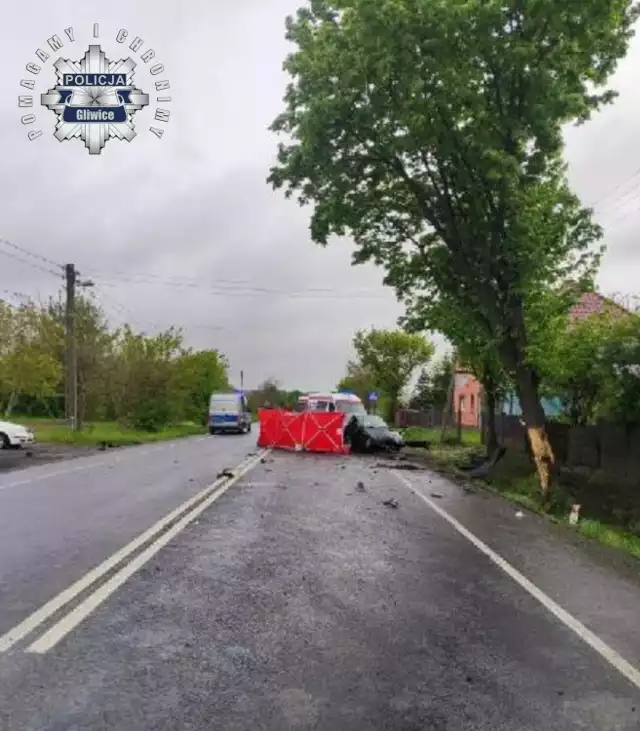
[467, 399]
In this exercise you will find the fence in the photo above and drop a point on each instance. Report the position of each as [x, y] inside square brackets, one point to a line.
[430, 419]
[601, 463]
[608, 447]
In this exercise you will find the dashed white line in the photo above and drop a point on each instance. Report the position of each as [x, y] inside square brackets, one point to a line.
[586, 635]
[70, 621]
[33, 621]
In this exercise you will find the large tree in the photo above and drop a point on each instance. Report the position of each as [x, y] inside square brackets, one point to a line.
[391, 357]
[431, 131]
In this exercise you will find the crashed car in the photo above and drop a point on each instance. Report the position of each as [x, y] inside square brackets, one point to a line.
[366, 433]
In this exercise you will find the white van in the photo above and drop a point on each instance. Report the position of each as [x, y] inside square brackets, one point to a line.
[229, 412]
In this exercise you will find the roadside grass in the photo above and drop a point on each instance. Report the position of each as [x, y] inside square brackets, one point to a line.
[434, 435]
[111, 433]
[514, 479]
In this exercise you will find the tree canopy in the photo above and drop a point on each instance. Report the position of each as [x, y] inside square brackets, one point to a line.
[391, 357]
[140, 380]
[431, 132]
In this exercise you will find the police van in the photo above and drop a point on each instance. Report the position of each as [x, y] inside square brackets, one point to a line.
[229, 413]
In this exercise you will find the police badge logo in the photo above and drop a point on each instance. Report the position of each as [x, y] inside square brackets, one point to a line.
[95, 99]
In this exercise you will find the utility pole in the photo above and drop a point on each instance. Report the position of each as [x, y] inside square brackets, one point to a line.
[71, 344]
[71, 361]
[242, 381]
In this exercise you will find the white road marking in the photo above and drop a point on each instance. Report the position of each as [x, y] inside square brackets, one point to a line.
[586, 635]
[70, 621]
[33, 621]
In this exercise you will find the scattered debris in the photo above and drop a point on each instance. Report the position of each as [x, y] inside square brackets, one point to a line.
[574, 515]
[360, 486]
[468, 489]
[484, 469]
[29, 454]
[391, 503]
[263, 460]
[519, 514]
[436, 495]
[226, 472]
[419, 443]
[400, 466]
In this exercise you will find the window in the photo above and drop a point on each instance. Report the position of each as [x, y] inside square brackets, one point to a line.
[461, 404]
[350, 407]
[472, 402]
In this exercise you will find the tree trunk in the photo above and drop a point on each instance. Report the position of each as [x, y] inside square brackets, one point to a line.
[10, 404]
[392, 407]
[490, 411]
[533, 417]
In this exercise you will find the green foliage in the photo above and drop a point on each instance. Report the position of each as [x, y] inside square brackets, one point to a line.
[271, 393]
[432, 387]
[26, 363]
[593, 365]
[431, 132]
[359, 380]
[391, 357]
[198, 375]
[144, 382]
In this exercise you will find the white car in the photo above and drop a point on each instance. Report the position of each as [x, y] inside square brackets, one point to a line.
[14, 435]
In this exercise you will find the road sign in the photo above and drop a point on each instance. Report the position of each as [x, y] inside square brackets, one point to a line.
[373, 396]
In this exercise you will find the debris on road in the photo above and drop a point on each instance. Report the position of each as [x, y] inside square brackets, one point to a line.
[225, 473]
[418, 443]
[519, 514]
[483, 471]
[360, 486]
[436, 495]
[391, 503]
[400, 466]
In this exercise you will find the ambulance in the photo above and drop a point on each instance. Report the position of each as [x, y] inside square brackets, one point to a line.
[346, 403]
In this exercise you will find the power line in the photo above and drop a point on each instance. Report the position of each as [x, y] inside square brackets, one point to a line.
[231, 287]
[221, 290]
[32, 254]
[31, 264]
[127, 311]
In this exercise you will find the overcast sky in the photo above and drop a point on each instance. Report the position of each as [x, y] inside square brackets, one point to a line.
[184, 230]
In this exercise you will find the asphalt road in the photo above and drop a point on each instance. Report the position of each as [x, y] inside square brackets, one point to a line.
[295, 600]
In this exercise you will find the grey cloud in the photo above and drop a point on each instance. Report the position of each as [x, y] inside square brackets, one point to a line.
[196, 205]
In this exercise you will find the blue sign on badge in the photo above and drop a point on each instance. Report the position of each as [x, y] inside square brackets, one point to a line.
[373, 396]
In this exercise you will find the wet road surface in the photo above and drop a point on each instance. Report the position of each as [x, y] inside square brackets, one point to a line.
[298, 600]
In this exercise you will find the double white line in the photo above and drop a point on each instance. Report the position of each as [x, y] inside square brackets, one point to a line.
[163, 531]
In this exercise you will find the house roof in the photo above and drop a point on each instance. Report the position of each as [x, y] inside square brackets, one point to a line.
[593, 303]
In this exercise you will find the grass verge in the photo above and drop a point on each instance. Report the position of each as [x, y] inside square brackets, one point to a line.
[433, 435]
[514, 479]
[94, 434]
